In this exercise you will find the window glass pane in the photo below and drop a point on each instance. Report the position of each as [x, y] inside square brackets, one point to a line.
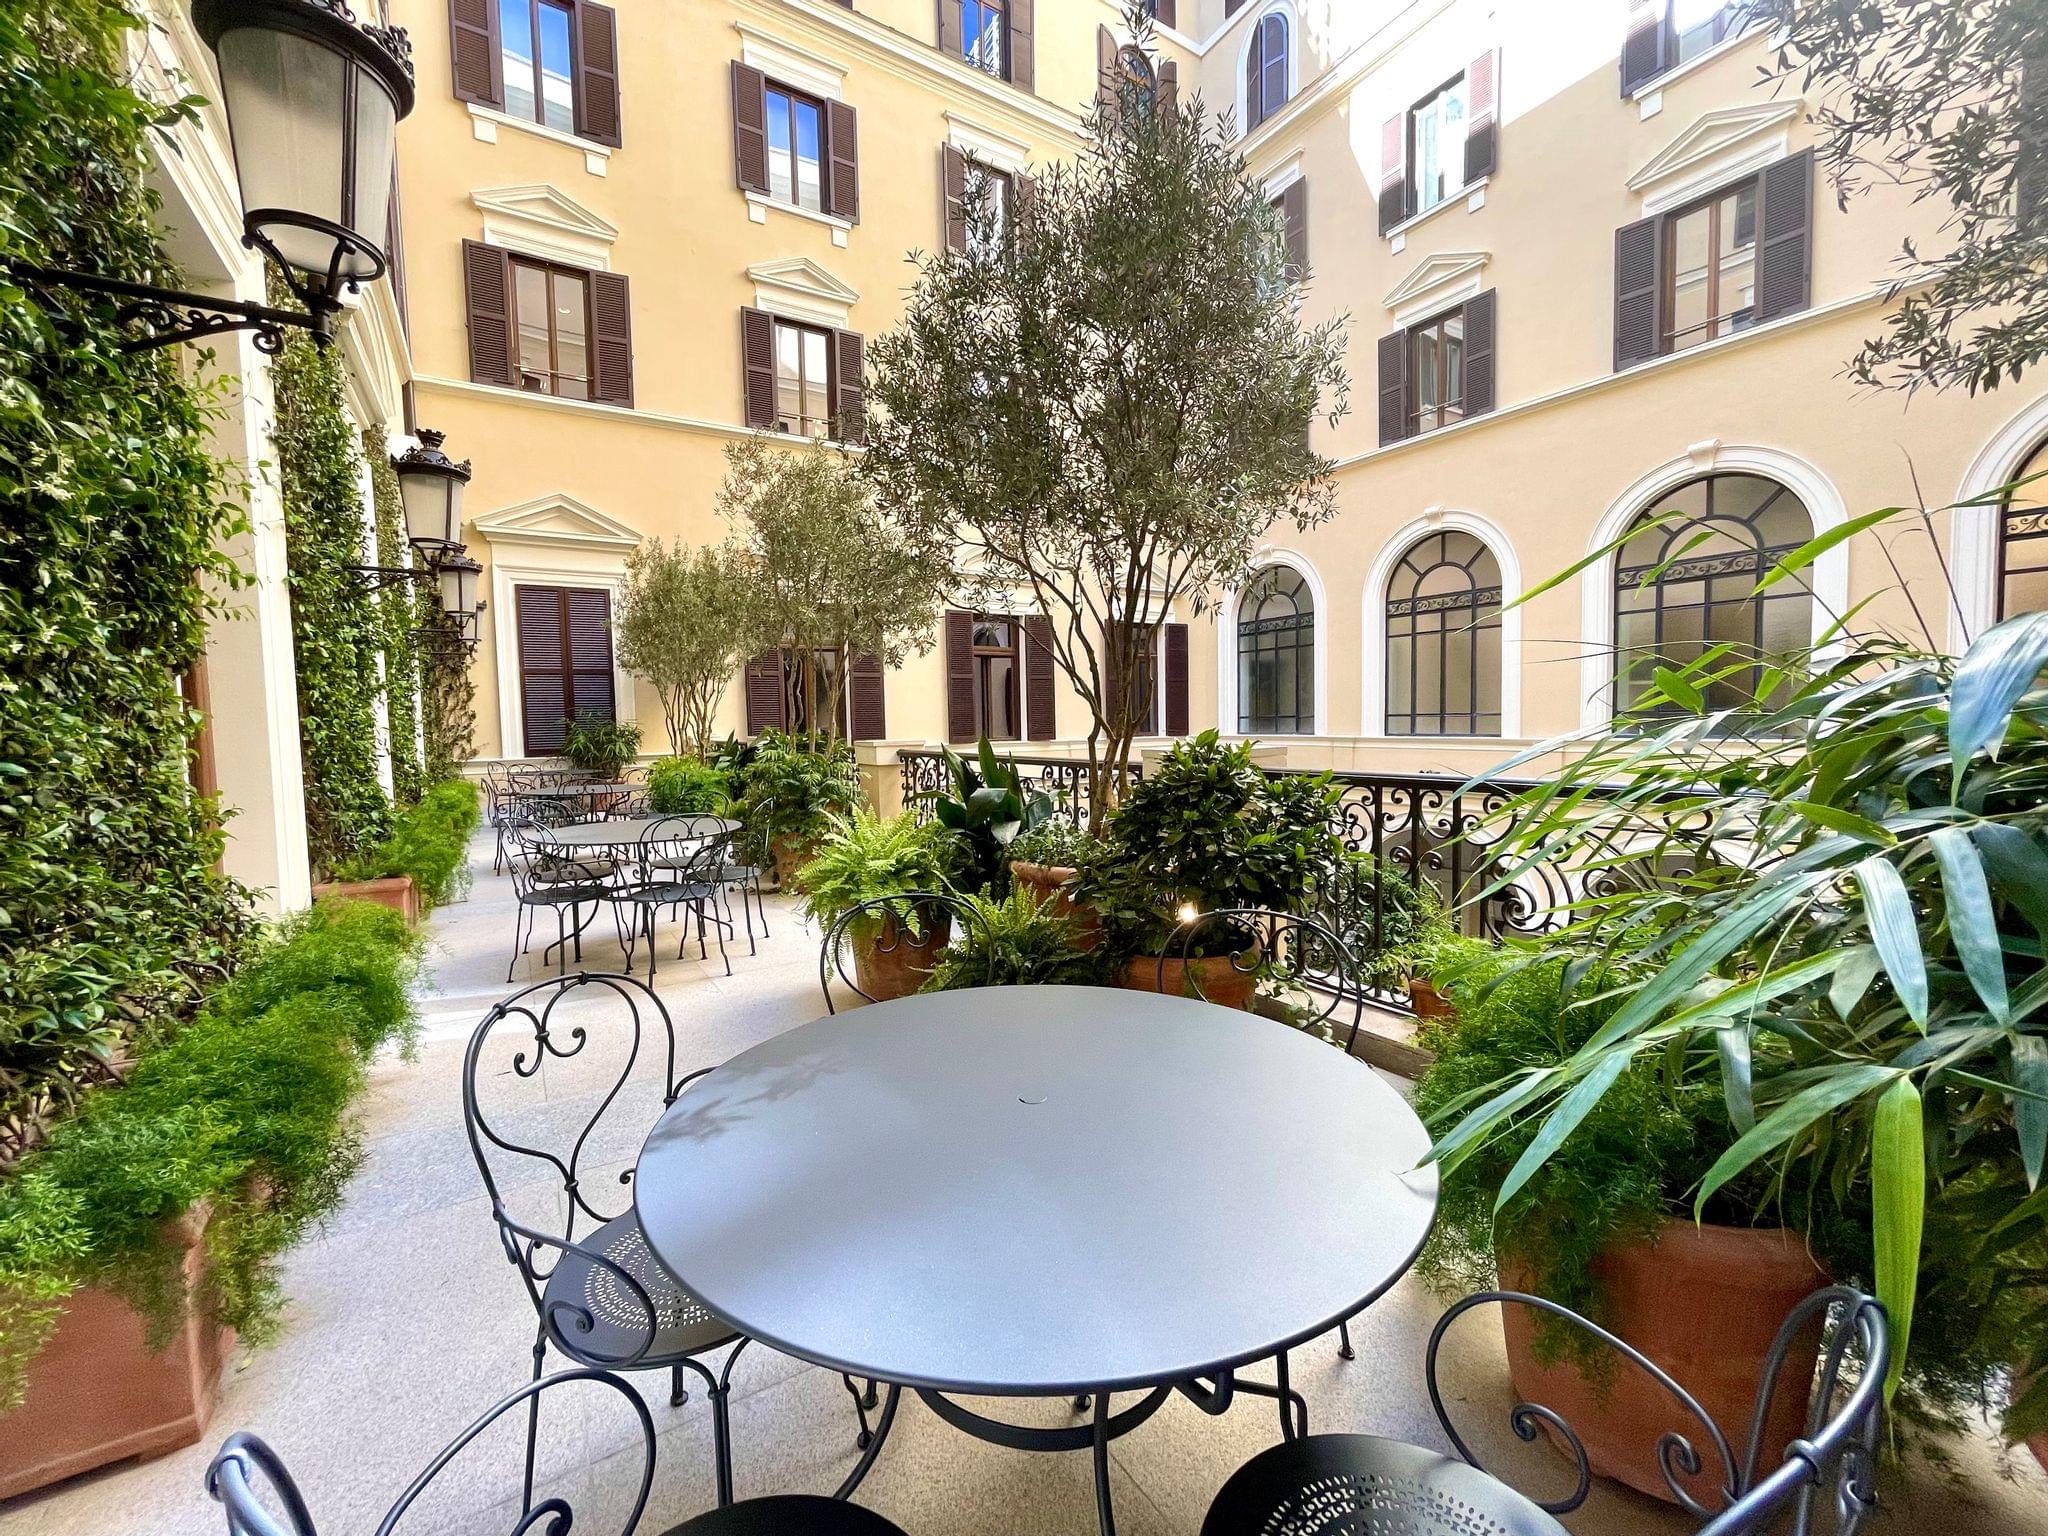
[1454, 364]
[1697, 26]
[515, 32]
[981, 28]
[999, 698]
[1736, 288]
[809, 152]
[1689, 277]
[789, 400]
[781, 167]
[558, 97]
[1428, 387]
[1439, 127]
[530, 294]
[572, 351]
[1272, 64]
[816, 410]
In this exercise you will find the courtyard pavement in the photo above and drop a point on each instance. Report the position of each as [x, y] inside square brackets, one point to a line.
[405, 1321]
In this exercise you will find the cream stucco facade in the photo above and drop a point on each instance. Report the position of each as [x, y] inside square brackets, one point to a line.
[1569, 453]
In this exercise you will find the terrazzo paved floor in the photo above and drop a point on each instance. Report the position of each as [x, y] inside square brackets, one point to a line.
[405, 1321]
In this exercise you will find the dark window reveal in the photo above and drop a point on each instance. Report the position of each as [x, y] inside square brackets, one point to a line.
[1276, 655]
[1443, 639]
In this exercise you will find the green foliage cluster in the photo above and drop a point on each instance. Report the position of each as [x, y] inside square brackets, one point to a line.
[1208, 829]
[600, 746]
[685, 620]
[447, 697]
[1058, 842]
[1395, 928]
[687, 786]
[1016, 941]
[242, 1117]
[985, 811]
[112, 515]
[338, 627]
[429, 842]
[400, 611]
[863, 858]
[789, 789]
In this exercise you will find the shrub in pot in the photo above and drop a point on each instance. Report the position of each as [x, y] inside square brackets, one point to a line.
[600, 748]
[687, 786]
[789, 795]
[987, 809]
[862, 858]
[1045, 862]
[1017, 941]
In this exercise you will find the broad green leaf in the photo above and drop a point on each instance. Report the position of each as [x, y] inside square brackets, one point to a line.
[1509, 1101]
[1855, 970]
[2018, 866]
[1898, 1188]
[1993, 675]
[2030, 1104]
[1804, 556]
[1562, 1121]
[1970, 921]
[1679, 689]
[1835, 819]
[1824, 1097]
[1732, 1044]
[1889, 911]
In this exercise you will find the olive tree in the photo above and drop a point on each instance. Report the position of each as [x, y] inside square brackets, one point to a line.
[682, 626]
[1106, 406]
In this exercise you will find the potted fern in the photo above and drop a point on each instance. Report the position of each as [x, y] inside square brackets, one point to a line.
[862, 858]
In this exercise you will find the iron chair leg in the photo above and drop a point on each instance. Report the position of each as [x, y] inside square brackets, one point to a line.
[1344, 1350]
[861, 1405]
[678, 1394]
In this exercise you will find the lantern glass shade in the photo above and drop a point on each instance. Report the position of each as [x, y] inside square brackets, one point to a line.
[458, 587]
[313, 106]
[430, 485]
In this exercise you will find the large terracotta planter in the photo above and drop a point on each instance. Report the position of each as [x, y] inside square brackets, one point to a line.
[98, 1394]
[1215, 979]
[398, 893]
[1704, 1303]
[1050, 884]
[791, 853]
[888, 963]
[1427, 1002]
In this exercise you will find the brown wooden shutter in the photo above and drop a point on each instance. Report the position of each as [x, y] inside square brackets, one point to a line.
[842, 145]
[1169, 86]
[952, 40]
[1024, 207]
[868, 718]
[1393, 172]
[479, 60]
[960, 676]
[1176, 640]
[543, 680]
[611, 340]
[953, 195]
[1638, 321]
[589, 624]
[1254, 105]
[1023, 45]
[597, 73]
[1393, 387]
[1039, 672]
[487, 280]
[757, 366]
[1482, 95]
[1105, 71]
[765, 699]
[749, 129]
[1163, 12]
[1479, 343]
[1642, 51]
[849, 388]
[1232, 7]
[1784, 246]
[1294, 218]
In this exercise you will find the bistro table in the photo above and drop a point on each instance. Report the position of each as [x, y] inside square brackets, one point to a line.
[622, 832]
[595, 796]
[1040, 1192]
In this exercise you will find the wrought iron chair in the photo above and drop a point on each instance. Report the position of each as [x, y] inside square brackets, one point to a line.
[675, 868]
[245, 1470]
[936, 911]
[1343, 1483]
[549, 877]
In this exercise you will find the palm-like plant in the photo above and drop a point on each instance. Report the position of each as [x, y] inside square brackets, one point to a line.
[987, 810]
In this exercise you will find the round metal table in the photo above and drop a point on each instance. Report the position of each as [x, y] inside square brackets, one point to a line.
[1040, 1192]
[628, 831]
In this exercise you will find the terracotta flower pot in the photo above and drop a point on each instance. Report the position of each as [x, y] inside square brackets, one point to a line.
[98, 1394]
[791, 853]
[889, 963]
[1048, 883]
[1704, 1303]
[1427, 1002]
[1216, 979]
[397, 892]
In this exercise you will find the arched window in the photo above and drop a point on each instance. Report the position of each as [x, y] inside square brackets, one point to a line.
[2023, 541]
[1684, 580]
[1265, 70]
[1443, 639]
[1276, 655]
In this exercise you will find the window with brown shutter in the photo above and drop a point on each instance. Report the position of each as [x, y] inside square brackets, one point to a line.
[487, 280]
[1480, 328]
[553, 62]
[1265, 70]
[1642, 49]
[1437, 132]
[866, 700]
[842, 142]
[757, 355]
[1393, 361]
[996, 647]
[1175, 639]
[546, 327]
[1169, 86]
[1481, 105]
[565, 661]
[1449, 366]
[1663, 34]
[953, 196]
[1039, 693]
[849, 388]
[1140, 693]
[958, 630]
[1393, 172]
[1105, 71]
[473, 34]
[611, 330]
[806, 380]
[1784, 262]
[766, 699]
[1163, 12]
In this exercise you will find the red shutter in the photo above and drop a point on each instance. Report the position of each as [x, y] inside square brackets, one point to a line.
[611, 339]
[479, 61]
[1393, 387]
[1393, 172]
[757, 357]
[952, 41]
[1294, 217]
[1176, 679]
[597, 72]
[749, 129]
[868, 717]
[764, 693]
[1023, 46]
[1642, 51]
[1479, 334]
[1482, 92]
[842, 145]
[1784, 246]
[953, 196]
[1039, 671]
[1638, 321]
[849, 386]
[487, 280]
[960, 677]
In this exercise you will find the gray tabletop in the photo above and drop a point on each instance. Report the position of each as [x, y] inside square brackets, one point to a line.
[1037, 1190]
[625, 831]
[571, 791]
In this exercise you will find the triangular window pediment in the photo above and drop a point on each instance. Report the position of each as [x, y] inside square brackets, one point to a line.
[555, 520]
[1437, 280]
[1726, 142]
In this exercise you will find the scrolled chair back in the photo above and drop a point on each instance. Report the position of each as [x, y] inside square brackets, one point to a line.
[245, 1469]
[687, 849]
[1829, 1470]
[924, 922]
[631, 1043]
[1301, 958]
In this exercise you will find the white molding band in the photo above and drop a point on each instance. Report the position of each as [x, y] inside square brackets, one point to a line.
[486, 121]
[1974, 531]
[979, 142]
[790, 63]
[1226, 642]
[1372, 648]
[1437, 283]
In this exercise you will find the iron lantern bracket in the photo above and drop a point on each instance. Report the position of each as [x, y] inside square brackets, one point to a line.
[173, 316]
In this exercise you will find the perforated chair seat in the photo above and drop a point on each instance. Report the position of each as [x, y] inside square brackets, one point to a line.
[789, 1514]
[618, 1322]
[1362, 1485]
[665, 893]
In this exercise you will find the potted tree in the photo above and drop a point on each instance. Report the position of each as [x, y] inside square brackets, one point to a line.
[862, 858]
[789, 796]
